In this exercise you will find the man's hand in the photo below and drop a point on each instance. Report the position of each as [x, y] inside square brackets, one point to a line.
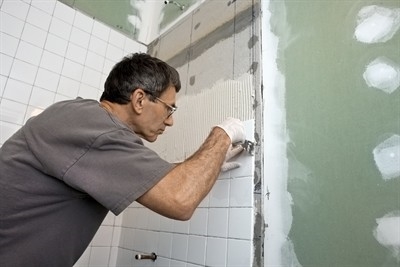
[232, 152]
[234, 129]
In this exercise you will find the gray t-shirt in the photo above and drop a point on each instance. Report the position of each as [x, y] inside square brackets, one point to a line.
[59, 176]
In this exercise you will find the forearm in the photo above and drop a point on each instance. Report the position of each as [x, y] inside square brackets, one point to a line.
[185, 186]
[201, 170]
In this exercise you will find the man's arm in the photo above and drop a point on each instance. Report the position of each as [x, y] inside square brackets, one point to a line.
[178, 194]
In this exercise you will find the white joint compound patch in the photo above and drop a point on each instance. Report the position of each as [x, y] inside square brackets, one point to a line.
[387, 233]
[387, 157]
[383, 74]
[377, 24]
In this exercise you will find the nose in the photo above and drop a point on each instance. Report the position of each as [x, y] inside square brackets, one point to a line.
[169, 121]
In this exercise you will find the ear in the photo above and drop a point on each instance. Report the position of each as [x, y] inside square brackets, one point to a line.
[138, 98]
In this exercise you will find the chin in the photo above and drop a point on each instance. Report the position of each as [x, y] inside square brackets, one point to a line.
[151, 139]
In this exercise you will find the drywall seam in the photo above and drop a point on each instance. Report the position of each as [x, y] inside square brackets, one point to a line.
[278, 248]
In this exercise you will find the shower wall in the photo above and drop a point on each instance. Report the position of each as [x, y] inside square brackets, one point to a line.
[48, 53]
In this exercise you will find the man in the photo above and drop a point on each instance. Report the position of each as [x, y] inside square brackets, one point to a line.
[67, 167]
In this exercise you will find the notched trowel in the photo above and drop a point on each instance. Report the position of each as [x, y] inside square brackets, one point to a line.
[248, 146]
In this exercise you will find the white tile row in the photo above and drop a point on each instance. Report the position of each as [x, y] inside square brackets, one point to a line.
[182, 250]
[216, 222]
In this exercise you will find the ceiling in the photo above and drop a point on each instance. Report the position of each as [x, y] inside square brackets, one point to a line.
[142, 20]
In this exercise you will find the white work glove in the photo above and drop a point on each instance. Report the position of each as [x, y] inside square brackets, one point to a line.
[234, 129]
[232, 152]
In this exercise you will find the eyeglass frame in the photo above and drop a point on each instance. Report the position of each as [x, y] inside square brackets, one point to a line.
[172, 109]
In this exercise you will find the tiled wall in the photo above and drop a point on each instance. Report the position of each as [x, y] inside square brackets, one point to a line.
[49, 52]
[220, 233]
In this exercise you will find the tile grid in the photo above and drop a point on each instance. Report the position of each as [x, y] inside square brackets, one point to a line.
[180, 241]
[49, 52]
[218, 234]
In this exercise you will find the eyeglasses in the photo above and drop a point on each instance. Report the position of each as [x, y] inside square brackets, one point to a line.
[170, 108]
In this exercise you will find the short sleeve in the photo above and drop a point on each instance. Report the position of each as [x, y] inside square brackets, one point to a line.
[116, 169]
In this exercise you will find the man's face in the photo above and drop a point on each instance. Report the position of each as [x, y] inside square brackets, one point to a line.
[157, 115]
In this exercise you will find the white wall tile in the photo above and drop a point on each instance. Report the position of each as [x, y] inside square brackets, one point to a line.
[17, 91]
[91, 77]
[241, 192]
[127, 239]
[239, 253]
[164, 244]
[44, 5]
[12, 111]
[216, 252]
[163, 262]
[60, 28]
[117, 39]
[179, 246]
[41, 98]
[34, 35]
[99, 256]
[87, 91]
[51, 61]
[219, 194]
[64, 12]
[103, 236]
[108, 65]
[11, 25]
[94, 61]
[61, 98]
[31, 112]
[240, 223]
[114, 53]
[72, 70]
[153, 221]
[166, 224]
[217, 222]
[83, 22]
[181, 227]
[5, 64]
[68, 87]
[7, 129]
[80, 37]
[199, 222]
[97, 45]
[56, 44]
[39, 18]
[47, 79]
[175, 263]
[109, 219]
[17, 9]
[124, 258]
[113, 257]
[8, 44]
[23, 71]
[3, 81]
[29, 53]
[197, 249]
[116, 236]
[101, 31]
[118, 219]
[76, 53]
[246, 166]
